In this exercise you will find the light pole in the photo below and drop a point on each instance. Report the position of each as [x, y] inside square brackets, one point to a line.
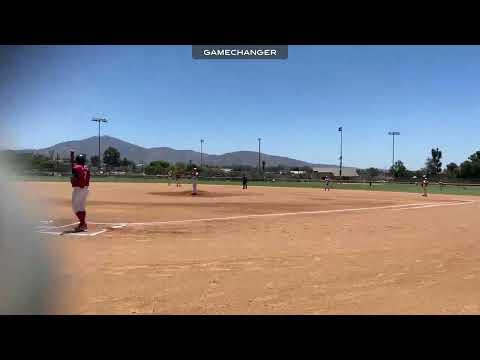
[393, 134]
[99, 120]
[201, 152]
[340, 129]
[259, 140]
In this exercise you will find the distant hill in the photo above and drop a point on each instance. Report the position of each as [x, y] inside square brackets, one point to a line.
[137, 153]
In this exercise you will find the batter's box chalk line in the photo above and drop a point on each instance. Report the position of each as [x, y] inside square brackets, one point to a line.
[84, 233]
[53, 229]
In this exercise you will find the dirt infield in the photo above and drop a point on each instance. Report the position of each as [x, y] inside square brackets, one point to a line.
[265, 250]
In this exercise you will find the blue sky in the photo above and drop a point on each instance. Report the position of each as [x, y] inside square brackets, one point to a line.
[159, 96]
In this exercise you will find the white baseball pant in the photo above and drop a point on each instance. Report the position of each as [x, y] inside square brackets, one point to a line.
[194, 186]
[79, 199]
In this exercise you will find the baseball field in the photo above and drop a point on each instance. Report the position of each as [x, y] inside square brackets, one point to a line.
[156, 249]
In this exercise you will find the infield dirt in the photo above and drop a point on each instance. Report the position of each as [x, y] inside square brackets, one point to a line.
[358, 252]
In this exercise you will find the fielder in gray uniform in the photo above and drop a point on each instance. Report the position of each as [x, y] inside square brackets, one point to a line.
[194, 181]
[327, 184]
[424, 185]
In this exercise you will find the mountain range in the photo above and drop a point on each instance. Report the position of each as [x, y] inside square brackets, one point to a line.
[138, 154]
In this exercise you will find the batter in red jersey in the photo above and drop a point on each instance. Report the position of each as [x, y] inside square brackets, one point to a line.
[80, 181]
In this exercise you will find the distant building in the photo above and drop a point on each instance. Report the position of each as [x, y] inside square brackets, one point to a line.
[297, 172]
[227, 170]
[323, 171]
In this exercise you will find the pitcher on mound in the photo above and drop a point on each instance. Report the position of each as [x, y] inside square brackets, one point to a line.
[194, 181]
[424, 185]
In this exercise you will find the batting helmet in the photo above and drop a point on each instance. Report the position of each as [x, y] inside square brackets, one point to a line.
[80, 159]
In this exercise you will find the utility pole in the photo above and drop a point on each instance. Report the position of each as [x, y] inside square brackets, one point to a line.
[201, 152]
[393, 134]
[259, 140]
[340, 129]
[99, 120]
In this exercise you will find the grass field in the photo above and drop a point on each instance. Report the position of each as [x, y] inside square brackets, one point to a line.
[410, 188]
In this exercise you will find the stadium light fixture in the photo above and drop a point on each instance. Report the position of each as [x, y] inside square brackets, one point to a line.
[340, 129]
[99, 121]
[259, 141]
[201, 152]
[393, 134]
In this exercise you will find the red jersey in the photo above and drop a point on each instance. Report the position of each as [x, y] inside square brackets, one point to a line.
[81, 176]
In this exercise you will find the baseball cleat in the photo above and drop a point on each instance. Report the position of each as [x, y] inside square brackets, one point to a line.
[81, 228]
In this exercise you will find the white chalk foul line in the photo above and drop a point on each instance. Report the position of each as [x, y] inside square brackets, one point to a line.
[278, 214]
[437, 204]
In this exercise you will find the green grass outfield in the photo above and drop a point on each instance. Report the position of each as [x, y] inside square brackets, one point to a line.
[432, 189]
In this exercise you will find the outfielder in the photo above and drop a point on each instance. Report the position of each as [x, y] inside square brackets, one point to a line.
[80, 181]
[327, 184]
[177, 179]
[442, 185]
[244, 181]
[194, 181]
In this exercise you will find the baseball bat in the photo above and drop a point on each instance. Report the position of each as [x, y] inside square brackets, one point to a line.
[72, 157]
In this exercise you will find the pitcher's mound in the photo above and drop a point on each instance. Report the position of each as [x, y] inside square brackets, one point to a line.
[200, 193]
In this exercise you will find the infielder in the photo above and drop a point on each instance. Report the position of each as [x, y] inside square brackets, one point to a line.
[80, 181]
[170, 174]
[327, 184]
[177, 179]
[244, 181]
[441, 185]
[194, 181]
[424, 185]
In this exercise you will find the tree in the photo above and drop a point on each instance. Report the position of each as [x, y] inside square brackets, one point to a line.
[475, 158]
[191, 166]
[246, 168]
[398, 169]
[95, 160]
[372, 173]
[180, 166]
[471, 167]
[420, 173]
[158, 168]
[125, 162]
[263, 166]
[452, 170]
[433, 164]
[40, 162]
[161, 164]
[57, 161]
[111, 157]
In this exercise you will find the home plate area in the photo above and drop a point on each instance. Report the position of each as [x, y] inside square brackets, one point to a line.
[50, 227]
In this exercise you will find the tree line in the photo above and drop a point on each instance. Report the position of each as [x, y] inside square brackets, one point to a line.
[468, 169]
[112, 160]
